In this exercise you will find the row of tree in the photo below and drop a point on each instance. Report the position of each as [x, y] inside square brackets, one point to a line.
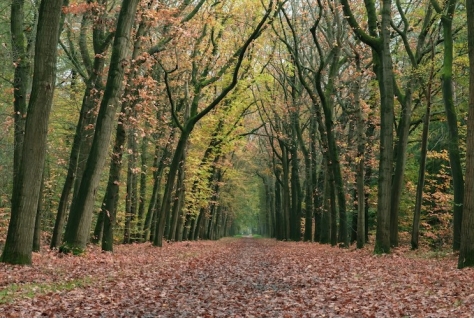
[304, 120]
[343, 82]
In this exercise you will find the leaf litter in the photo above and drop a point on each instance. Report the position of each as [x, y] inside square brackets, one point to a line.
[235, 278]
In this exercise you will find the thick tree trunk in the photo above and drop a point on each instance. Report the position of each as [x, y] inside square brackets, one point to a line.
[79, 223]
[109, 203]
[19, 242]
[21, 54]
[466, 252]
[386, 82]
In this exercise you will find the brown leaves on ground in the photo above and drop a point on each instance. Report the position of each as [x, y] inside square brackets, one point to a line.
[236, 278]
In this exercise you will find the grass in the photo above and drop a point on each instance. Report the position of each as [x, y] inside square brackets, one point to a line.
[15, 291]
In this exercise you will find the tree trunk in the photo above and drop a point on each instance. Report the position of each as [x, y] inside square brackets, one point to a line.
[326, 213]
[109, 203]
[452, 122]
[466, 252]
[176, 211]
[154, 204]
[19, 242]
[99, 228]
[400, 155]
[181, 218]
[143, 180]
[79, 223]
[39, 214]
[421, 174]
[286, 200]
[166, 204]
[86, 123]
[21, 54]
[386, 82]
[296, 197]
[280, 233]
[132, 192]
[80, 147]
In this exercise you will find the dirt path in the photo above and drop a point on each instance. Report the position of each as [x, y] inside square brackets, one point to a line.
[236, 278]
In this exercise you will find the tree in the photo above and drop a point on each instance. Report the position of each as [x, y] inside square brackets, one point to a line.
[447, 15]
[92, 74]
[466, 252]
[78, 226]
[380, 44]
[19, 243]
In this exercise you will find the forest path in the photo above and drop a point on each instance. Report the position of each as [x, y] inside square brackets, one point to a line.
[236, 278]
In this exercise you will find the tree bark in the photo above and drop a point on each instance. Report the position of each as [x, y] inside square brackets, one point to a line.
[452, 122]
[19, 242]
[386, 82]
[424, 149]
[39, 214]
[466, 252]
[22, 40]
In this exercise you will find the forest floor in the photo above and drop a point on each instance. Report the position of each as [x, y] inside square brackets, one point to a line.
[233, 277]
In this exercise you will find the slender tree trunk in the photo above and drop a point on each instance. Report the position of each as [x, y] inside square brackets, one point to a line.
[452, 122]
[361, 222]
[181, 218]
[19, 242]
[400, 161]
[143, 181]
[296, 197]
[421, 174]
[158, 166]
[39, 214]
[176, 211]
[326, 213]
[166, 204]
[78, 226]
[132, 193]
[360, 163]
[286, 200]
[99, 228]
[278, 207]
